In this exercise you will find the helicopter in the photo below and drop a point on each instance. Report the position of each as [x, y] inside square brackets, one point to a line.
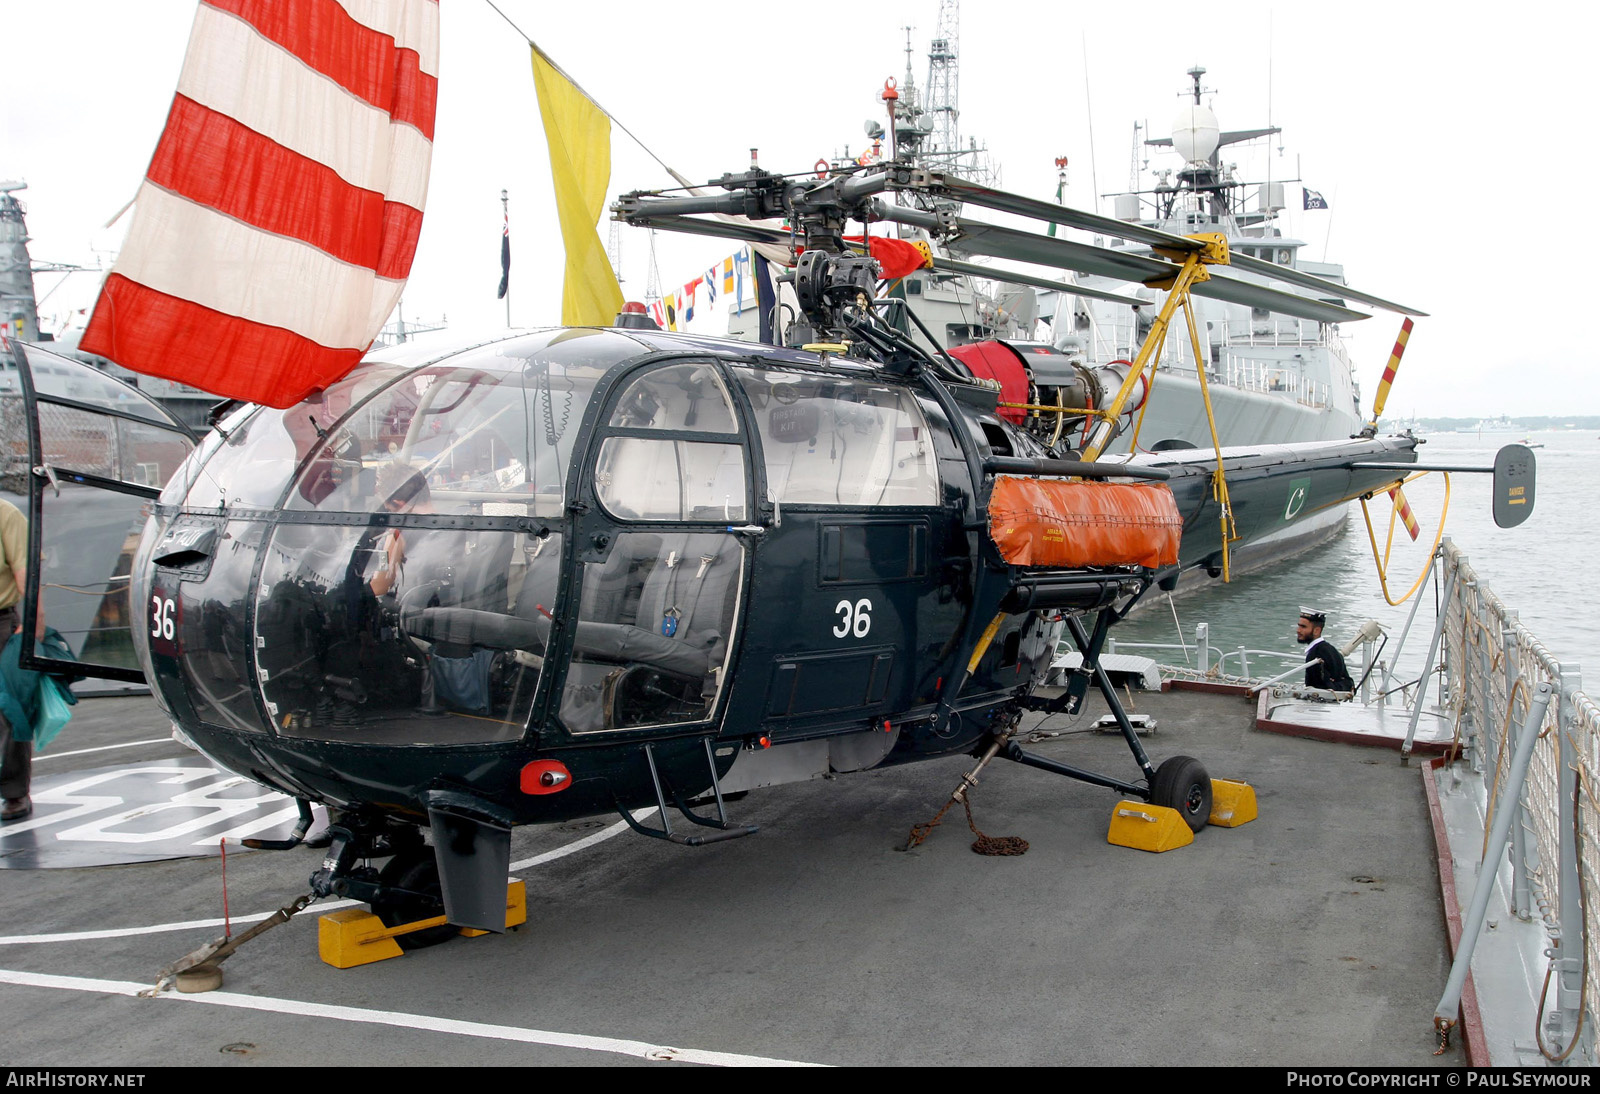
[577, 571]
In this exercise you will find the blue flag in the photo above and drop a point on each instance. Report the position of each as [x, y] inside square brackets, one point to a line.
[505, 258]
[1314, 200]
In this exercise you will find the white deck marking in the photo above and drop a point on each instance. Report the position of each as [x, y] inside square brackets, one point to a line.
[620, 1046]
[240, 922]
[196, 924]
[582, 844]
[103, 748]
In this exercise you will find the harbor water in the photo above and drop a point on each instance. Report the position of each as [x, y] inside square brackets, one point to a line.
[1542, 569]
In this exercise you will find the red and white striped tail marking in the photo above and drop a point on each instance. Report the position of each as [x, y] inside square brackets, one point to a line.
[1407, 517]
[279, 218]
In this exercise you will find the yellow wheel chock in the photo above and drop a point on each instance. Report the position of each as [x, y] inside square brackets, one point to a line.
[1147, 827]
[354, 936]
[1232, 804]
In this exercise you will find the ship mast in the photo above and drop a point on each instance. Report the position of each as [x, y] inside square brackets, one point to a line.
[944, 79]
[17, 308]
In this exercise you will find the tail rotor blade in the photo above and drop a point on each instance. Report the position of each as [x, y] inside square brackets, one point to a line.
[1403, 507]
[1390, 369]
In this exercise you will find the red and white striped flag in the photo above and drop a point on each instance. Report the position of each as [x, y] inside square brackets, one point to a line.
[279, 218]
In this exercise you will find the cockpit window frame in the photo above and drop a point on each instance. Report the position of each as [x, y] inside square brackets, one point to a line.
[605, 408]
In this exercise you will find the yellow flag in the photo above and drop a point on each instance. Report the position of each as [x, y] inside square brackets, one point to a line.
[579, 134]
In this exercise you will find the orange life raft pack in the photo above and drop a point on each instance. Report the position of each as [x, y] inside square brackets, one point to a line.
[1051, 522]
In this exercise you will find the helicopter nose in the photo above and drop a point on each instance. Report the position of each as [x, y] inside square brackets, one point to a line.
[545, 777]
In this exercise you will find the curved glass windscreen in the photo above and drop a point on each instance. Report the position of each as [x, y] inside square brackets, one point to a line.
[483, 440]
[829, 440]
[248, 460]
[403, 635]
[489, 429]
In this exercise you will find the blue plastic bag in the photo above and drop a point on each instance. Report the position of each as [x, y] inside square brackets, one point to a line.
[55, 712]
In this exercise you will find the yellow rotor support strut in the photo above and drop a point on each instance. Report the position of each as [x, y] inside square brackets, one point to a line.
[1213, 252]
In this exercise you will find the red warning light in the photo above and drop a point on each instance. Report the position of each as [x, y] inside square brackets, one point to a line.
[545, 777]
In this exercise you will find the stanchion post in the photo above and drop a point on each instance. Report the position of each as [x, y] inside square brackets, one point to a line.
[1449, 1008]
[1562, 1017]
[1521, 888]
[1427, 668]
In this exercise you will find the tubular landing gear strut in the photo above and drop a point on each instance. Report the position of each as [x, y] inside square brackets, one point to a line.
[1173, 801]
[1180, 783]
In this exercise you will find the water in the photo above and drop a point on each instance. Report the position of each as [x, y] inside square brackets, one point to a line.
[1541, 569]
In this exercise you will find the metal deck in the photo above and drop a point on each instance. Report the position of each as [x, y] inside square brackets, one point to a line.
[1313, 936]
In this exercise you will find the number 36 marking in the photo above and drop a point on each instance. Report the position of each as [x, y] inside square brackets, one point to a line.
[853, 618]
[161, 623]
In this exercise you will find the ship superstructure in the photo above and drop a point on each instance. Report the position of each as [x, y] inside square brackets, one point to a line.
[1274, 378]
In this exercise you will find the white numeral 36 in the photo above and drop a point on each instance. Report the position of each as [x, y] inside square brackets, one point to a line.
[161, 624]
[853, 618]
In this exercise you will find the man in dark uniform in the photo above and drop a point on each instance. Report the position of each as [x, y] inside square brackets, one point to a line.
[1331, 674]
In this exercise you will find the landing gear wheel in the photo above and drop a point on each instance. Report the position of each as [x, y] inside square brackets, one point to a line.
[1182, 784]
[416, 871]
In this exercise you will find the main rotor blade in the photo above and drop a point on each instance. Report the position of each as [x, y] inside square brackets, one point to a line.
[974, 194]
[972, 269]
[750, 233]
[1021, 245]
[1234, 291]
[1312, 281]
[1065, 254]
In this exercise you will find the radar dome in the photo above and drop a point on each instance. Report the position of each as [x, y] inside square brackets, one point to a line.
[1195, 133]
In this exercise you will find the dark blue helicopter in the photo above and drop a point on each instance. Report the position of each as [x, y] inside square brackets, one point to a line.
[577, 571]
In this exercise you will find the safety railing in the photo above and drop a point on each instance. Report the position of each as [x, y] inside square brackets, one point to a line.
[1274, 377]
[1501, 684]
[1275, 331]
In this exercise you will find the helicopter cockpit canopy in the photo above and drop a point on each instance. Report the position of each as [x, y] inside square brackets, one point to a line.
[400, 558]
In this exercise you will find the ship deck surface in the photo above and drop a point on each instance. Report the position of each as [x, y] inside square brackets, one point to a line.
[1313, 936]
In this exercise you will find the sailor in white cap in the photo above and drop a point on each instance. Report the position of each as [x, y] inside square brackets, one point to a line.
[1331, 674]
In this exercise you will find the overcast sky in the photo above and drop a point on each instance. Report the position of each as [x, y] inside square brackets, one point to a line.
[1448, 141]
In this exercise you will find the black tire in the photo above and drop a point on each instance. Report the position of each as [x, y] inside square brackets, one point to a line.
[1182, 784]
[416, 871]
